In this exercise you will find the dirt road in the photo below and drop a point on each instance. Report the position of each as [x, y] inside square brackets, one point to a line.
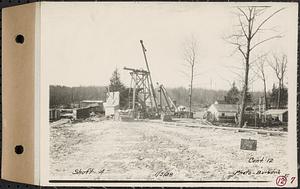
[112, 150]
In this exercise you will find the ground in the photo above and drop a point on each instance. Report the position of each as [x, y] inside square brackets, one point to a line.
[115, 150]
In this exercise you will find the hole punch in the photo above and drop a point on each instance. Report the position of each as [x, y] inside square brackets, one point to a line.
[20, 39]
[19, 149]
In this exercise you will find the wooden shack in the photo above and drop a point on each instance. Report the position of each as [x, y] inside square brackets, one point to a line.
[54, 114]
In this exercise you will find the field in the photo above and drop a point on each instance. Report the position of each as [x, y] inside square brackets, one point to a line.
[144, 150]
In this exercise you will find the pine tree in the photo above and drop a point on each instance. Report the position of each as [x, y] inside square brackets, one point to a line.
[232, 96]
[116, 85]
[115, 82]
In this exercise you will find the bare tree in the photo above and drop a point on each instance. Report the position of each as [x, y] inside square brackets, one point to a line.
[260, 72]
[191, 48]
[247, 38]
[279, 65]
[239, 76]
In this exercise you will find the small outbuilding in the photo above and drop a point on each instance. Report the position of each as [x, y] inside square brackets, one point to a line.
[222, 112]
[278, 114]
[54, 114]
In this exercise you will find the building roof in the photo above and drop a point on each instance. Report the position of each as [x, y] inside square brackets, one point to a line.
[226, 107]
[276, 111]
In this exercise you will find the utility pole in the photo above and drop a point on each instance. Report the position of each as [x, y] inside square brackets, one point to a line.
[255, 115]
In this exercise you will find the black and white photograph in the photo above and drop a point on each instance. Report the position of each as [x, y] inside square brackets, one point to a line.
[162, 92]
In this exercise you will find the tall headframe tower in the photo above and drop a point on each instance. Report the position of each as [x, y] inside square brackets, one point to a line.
[142, 97]
[140, 94]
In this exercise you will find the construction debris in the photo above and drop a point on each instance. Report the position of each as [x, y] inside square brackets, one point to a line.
[166, 117]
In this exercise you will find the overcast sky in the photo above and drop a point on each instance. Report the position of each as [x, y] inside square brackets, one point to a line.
[84, 42]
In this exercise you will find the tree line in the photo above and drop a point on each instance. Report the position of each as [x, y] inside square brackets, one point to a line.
[202, 98]
[63, 95]
[269, 100]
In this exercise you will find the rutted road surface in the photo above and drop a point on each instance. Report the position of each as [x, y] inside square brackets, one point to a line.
[112, 150]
